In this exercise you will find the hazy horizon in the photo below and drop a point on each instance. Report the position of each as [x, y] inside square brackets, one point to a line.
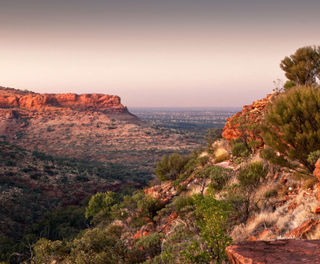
[177, 53]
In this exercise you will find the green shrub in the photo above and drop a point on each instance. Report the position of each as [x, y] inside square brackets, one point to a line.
[212, 220]
[180, 203]
[292, 124]
[170, 167]
[251, 175]
[240, 149]
[100, 203]
[151, 244]
[313, 156]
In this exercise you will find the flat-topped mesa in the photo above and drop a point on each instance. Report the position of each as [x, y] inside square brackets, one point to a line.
[83, 102]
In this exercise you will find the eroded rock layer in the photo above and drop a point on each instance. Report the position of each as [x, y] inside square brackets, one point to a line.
[288, 251]
[11, 98]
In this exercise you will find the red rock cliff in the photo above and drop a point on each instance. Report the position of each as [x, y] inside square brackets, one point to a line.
[10, 98]
[242, 124]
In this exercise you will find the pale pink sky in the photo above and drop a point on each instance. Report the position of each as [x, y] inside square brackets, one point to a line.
[153, 53]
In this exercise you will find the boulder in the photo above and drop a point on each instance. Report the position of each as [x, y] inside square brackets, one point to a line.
[287, 251]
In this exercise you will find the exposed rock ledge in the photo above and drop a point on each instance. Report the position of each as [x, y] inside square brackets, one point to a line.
[11, 98]
[287, 251]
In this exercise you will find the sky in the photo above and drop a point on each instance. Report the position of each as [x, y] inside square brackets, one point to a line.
[170, 53]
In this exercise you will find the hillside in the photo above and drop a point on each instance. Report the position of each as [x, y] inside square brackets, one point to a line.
[228, 193]
[59, 149]
[92, 127]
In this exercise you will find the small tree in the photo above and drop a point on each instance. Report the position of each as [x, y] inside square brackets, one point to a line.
[292, 124]
[302, 67]
[249, 178]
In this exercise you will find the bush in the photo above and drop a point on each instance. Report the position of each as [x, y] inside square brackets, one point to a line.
[170, 167]
[100, 203]
[151, 244]
[313, 157]
[212, 220]
[240, 149]
[292, 124]
[251, 175]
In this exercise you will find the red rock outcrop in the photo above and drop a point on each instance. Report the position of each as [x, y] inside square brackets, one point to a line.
[238, 126]
[10, 98]
[303, 229]
[275, 252]
[316, 173]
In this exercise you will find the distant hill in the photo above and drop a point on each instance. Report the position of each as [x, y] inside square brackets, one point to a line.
[94, 127]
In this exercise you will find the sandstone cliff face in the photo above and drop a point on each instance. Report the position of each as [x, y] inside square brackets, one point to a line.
[244, 124]
[9, 98]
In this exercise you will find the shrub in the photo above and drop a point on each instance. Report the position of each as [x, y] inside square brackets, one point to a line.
[212, 221]
[170, 167]
[251, 175]
[180, 203]
[292, 124]
[149, 207]
[313, 157]
[100, 203]
[151, 244]
[240, 149]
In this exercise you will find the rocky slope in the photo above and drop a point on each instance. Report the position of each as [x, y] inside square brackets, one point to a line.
[177, 220]
[243, 125]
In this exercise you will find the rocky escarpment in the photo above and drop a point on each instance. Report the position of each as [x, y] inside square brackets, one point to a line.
[275, 252]
[11, 99]
[244, 124]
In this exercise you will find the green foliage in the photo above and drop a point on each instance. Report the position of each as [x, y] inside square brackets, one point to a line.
[271, 155]
[292, 124]
[194, 254]
[219, 176]
[251, 175]
[46, 251]
[170, 167]
[302, 67]
[149, 207]
[239, 149]
[100, 203]
[181, 204]
[151, 244]
[212, 220]
[313, 156]
[288, 85]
